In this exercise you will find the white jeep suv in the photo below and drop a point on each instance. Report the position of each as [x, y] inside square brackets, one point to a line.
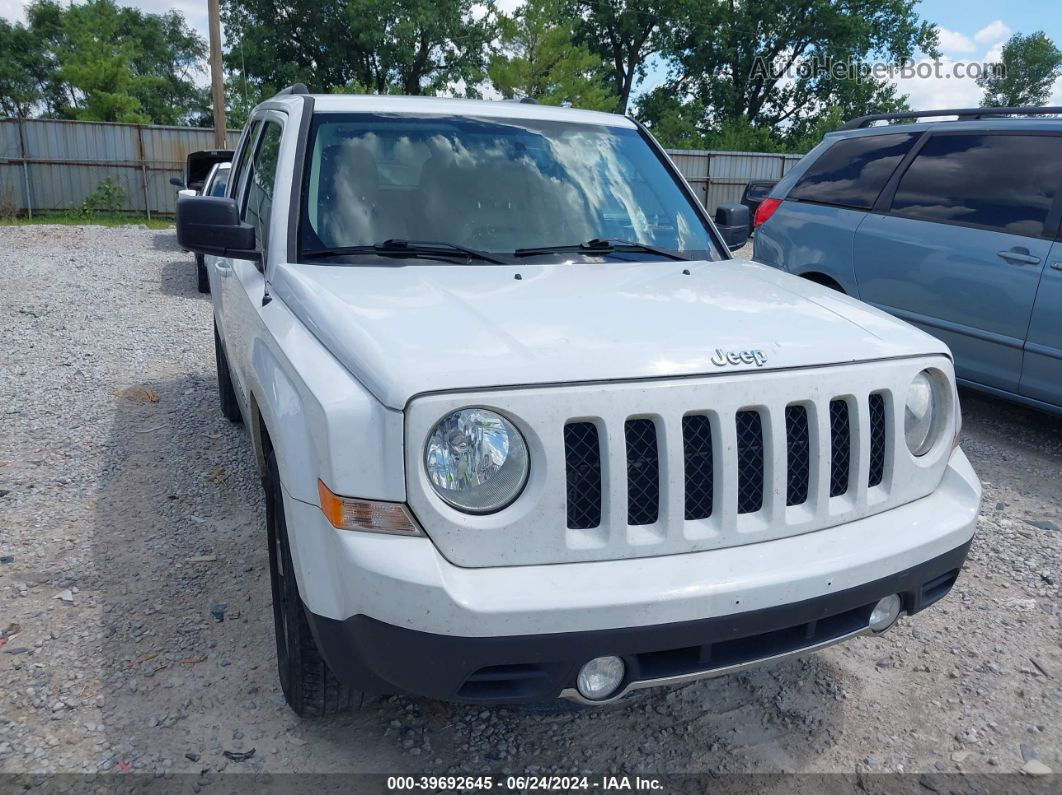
[527, 430]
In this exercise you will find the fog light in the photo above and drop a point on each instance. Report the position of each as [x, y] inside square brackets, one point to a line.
[600, 677]
[885, 613]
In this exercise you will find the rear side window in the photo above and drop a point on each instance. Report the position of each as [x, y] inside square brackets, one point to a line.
[757, 191]
[852, 172]
[1002, 182]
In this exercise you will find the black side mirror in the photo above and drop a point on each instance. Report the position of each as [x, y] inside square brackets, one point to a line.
[732, 221]
[212, 225]
[177, 182]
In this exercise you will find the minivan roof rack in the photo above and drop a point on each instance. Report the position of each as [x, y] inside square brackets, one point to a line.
[962, 114]
[297, 88]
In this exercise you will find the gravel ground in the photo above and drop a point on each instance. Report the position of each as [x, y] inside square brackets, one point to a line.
[130, 511]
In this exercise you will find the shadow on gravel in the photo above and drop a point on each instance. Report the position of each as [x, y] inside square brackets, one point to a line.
[179, 543]
[179, 279]
[177, 531]
[1008, 421]
[166, 241]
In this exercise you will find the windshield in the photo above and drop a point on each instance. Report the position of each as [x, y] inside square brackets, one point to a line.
[494, 185]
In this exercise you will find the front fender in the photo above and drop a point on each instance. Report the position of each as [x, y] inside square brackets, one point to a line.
[321, 421]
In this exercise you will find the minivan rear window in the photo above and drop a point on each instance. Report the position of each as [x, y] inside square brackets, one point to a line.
[852, 172]
[1001, 182]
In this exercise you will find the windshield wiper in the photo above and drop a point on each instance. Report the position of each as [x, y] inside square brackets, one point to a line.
[600, 245]
[406, 248]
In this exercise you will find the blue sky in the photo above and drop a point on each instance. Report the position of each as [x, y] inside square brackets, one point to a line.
[971, 30]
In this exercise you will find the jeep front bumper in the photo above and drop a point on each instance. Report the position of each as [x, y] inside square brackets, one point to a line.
[392, 615]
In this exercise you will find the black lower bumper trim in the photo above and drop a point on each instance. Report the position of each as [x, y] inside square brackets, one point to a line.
[376, 657]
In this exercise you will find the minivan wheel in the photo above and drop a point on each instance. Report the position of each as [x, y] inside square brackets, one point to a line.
[201, 278]
[229, 407]
[310, 688]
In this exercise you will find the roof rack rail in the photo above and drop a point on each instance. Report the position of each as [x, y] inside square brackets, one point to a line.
[962, 114]
[297, 88]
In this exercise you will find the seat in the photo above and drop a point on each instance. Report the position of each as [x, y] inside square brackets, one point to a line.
[348, 194]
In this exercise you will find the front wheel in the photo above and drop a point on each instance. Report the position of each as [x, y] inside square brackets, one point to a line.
[310, 688]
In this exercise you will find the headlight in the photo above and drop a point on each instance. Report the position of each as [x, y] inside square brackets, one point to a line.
[476, 460]
[922, 413]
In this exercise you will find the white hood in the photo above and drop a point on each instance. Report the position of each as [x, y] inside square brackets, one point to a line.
[402, 330]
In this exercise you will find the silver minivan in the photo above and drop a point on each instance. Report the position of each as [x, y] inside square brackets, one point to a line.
[950, 225]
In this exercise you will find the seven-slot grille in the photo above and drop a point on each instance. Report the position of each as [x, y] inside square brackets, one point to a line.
[749, 461]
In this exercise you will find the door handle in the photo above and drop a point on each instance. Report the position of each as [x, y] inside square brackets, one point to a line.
[1057, 266]
[1020, 257]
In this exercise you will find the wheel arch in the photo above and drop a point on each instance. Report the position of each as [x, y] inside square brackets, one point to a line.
[278, 422]
[320, 423]
[260, 437]
[824, 279]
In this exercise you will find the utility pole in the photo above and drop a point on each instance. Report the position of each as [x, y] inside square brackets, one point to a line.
[217, 79]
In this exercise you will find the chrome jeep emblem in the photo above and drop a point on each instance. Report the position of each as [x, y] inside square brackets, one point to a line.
[723, 358]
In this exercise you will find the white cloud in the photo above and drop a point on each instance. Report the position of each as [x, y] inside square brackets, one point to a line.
[993, 32]
[995, 55]
[940, 90]
[194, 11]
[13, 10]
[944, 86]
[953, 41]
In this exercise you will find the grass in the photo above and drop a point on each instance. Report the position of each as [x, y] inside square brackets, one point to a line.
[73, 218]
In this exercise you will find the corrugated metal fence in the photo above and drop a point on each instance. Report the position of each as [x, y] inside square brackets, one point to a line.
[54, 165]
[720, 177]
[48, 165]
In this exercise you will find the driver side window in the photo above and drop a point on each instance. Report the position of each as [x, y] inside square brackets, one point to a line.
[261, 182]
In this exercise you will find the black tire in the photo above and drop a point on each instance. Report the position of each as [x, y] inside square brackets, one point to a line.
[310, 688]
[229, 407]
[202, 280]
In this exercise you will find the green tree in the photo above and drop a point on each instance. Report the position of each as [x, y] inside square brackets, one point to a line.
[104, 62]
[804, 137]
[23, 70]
[780, 64]
[241, 97]
[741, 135]
[96, 61]
[847, 100]
[625, 33]
[1029, 67]
[168, 57]
[412, 46]
[539, 59]
[676, 123]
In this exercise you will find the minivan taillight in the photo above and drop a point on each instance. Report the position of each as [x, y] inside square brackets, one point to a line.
[765, 211]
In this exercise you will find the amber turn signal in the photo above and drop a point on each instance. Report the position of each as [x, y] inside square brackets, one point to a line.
[345, 513]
